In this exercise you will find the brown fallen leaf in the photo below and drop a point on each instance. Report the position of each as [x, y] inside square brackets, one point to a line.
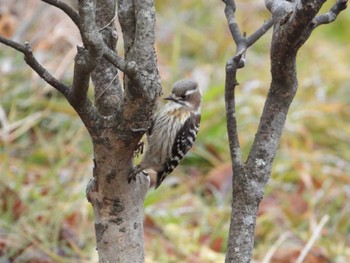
[290, 255]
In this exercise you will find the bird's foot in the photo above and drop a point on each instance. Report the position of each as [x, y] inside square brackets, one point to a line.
[136, 171]
[132, 176]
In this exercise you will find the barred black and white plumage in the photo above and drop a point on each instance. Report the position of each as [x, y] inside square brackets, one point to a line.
[182, 144]
[174, 130]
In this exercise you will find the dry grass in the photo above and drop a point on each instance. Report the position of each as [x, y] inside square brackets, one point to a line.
[45, 153]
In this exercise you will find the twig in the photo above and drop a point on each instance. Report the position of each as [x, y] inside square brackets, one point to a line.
[127, 20]
[230, 10]
[242, 42]
[91, 37]
[87, 58]
[330, 16]
[230, 84]
[65, 8]
[81, 77]
[259, 33]
[85, 109]
[19, 47]
[36, 66]
[94, 43]
[114, 59]
[313, 238]
[139, 46]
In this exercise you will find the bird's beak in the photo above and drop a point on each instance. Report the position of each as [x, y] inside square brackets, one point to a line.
[171, 97]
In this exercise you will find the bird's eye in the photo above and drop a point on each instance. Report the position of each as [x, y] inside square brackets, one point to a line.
[183, 97]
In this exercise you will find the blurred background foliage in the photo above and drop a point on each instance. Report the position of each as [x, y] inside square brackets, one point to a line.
[46, 154]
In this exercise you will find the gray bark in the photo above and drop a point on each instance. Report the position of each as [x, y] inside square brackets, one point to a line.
[120, 114]
[293, 23]
[117, 118]
[118, 205]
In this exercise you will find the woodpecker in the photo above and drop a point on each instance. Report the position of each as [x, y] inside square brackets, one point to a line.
[173, 131]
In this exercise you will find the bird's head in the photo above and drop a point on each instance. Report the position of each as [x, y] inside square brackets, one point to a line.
[186, 93]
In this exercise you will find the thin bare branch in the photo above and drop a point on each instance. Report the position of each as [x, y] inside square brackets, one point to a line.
[230, 84]
[36, 66]
[241, 231]
[127, 20]
[108, 91]
[242, 42]
[143, 51]
[259, 32]
[292, 21]
[93, 40]
[230, 10]
[287, 40]
[330, 16]
[91, 37]
[139, 39]
[90, 61]
[87, 58]
[85, 109]
[19, 47]
[114, 59]
[81, 77]
[108, 53]
[65, 8]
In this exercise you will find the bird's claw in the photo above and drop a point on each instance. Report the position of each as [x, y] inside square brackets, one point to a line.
[131, 177]
[134, 173]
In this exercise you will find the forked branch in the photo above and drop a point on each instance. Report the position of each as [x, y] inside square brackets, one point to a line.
[241, 40]
[94, 43]
[293, 23]
[330, 16]
[238, 61]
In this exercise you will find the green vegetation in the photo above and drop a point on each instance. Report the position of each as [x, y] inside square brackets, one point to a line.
[46, 154]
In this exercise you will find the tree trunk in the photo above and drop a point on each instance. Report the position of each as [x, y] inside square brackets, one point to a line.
[118, 118]
[118, 205]
[293, 23]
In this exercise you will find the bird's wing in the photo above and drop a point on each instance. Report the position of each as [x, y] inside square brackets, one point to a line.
[182, 144]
